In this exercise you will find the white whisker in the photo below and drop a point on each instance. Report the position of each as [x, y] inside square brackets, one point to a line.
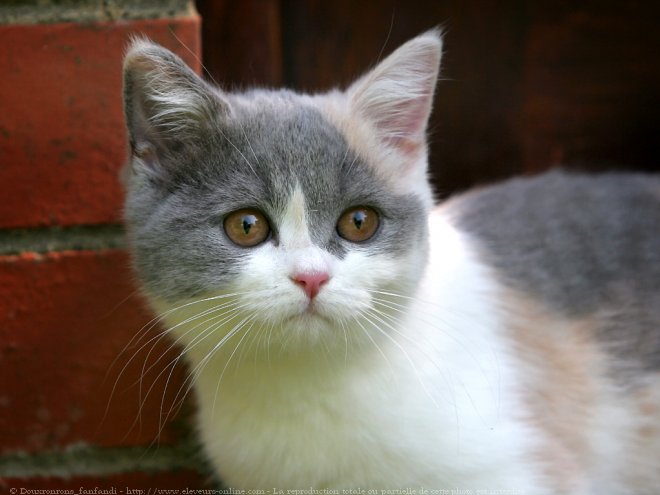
[405, 353]
[467, 344]
[210, 330]
[251, 319]
[226, 308]
[366, 332]
[239, 151]
[171, 366]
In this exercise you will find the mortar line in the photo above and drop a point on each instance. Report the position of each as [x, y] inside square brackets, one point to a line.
[51, 239]
[86, 460]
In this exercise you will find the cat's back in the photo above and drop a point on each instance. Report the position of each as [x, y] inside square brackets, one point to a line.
[580, 245]
[574, 241]
[576, 259]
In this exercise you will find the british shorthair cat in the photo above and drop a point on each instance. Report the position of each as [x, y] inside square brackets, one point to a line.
[343, 332]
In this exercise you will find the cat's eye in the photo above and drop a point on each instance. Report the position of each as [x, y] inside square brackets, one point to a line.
[247, 227]
[358, 224]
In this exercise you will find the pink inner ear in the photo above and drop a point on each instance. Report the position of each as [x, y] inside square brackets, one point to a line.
[147, 153]
[147, 160]
[396, 96]
[407, 146]
[404, 126]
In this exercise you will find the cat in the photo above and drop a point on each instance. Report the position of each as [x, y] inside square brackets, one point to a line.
[343, 332]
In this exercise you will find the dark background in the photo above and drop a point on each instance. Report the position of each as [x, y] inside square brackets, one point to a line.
[526, 85]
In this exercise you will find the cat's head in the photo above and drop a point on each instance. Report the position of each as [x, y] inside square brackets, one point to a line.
[273, 212]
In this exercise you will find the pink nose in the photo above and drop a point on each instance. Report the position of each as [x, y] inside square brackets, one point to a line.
[311, 282]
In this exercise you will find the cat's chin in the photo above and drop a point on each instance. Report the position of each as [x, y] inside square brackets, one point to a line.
[309, 328]
[309, 319]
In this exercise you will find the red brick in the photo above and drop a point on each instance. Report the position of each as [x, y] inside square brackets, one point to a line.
[62, 138]
[64, 319]
[136, 481]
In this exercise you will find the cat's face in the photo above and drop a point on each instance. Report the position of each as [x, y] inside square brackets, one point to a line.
[279, 214]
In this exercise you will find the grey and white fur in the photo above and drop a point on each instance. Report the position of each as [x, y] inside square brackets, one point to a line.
[508, 339]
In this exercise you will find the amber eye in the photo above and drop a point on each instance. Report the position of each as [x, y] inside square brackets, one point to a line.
[358, 224]
[247, 227]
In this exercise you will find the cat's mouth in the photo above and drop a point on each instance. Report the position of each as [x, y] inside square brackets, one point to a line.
[311, 311]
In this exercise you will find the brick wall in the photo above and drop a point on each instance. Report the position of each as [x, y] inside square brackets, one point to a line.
[78, 408]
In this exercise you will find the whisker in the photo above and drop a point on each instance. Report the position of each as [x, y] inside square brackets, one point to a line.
[226, 317]
[389, 363]
[343, 328]
[217, 346]
[210, 330]
[171, 366]
[418, 346]
[249, 344]
[352, 164]
[229, 309]
[225, 308]
[156, 339]
[239, 151]
[144, 331]
[467, 344]
[248, 143]
[268, 341]
[405, 354]
[157, 319]
[251, 318]
[194, 374]
[194, 55]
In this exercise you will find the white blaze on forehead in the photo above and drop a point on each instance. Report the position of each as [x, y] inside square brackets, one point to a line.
[300, 254]
[294, 232]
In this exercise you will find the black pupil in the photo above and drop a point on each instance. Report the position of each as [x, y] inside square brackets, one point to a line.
[248, 222]
[358, 218]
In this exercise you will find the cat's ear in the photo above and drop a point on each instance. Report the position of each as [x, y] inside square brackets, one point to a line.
[165, 104]
[396, 96]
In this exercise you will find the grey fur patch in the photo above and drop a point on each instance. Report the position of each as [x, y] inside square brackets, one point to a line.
[584, 246]
[254, 157]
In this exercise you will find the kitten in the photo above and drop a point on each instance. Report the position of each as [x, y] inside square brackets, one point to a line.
[340, 332]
